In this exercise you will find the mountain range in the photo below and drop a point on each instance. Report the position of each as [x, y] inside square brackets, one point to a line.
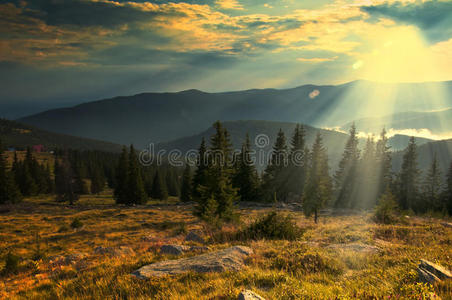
[157, 117]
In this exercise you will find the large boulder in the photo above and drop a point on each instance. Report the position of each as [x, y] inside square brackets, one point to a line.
[249, 295]
[430, 272]
[230, 259]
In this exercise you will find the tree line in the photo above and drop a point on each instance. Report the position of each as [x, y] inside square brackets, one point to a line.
[296, 172]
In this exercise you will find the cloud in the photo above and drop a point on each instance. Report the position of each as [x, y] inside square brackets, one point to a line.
[433, 17]
[229, 4]
[317, 59]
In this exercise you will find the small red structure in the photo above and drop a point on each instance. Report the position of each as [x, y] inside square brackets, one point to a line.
[38, 148]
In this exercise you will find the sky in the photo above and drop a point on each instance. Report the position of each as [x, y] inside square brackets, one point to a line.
[55, 53]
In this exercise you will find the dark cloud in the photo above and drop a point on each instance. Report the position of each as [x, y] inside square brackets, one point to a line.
[433, 17]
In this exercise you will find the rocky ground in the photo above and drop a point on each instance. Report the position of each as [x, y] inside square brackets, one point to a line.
[160, 251]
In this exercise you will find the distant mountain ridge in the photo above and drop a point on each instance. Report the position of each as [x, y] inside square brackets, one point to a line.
[157, 117]
[17, 135]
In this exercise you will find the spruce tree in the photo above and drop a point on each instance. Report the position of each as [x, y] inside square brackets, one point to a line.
[297, 160]
[245, 177]
[186, 189]
[383, 157]
[135, 187]
[409, 178]
[159, 189]
[432, 188]
[319, 186]
[200, 176]
[122, 172]
[367, 181]
[276, 175]
[346, 176]
[9, 193]
[65, 181]
[448, 193]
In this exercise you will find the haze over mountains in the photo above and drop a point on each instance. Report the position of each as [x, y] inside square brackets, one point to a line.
[157, 117]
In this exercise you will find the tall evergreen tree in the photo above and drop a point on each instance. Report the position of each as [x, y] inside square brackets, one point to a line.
[135, 187]
[122, 173]
[408, 187]
[245, 178]
[159, 189]
[9, 193]
[433, 188]
[275, 175]
[297, 168]
[319, 186]
[346, 176]
[383, 157]
[200, 176]
[65, 181]
[186, 190]
[448, 193]
[367, 181]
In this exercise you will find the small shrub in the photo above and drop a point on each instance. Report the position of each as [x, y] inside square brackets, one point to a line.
[273, 226]
[385, 212]
[76, 224]
[11, 263]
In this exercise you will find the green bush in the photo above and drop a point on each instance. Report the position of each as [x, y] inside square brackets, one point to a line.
[11, 263]
[76, 224]
[272, 226]
[386, 210]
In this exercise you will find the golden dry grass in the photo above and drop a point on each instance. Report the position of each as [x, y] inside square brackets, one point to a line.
[302, 269]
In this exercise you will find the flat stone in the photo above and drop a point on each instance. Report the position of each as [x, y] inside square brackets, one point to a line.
[173, 249]
[114, 251]
[431, 272]
[446, 224]
[249, 295]
[230, 259]
[193, 236]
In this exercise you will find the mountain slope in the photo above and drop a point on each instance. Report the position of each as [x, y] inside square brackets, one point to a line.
[14, 134]
[156, 117]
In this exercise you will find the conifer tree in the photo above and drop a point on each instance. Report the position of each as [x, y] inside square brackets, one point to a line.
[275, 175]
[159, 189]
[97, 180]
[135, 187]
[319, 186]
[122, 172]
[65, 181]
[297, 160]
[186, 190]
[409, 177]
[383, 157]
[448, 193]
[9, 193]
[367, 181]
[200, 176]
[432, 188]
[346, 176]
[245, 177]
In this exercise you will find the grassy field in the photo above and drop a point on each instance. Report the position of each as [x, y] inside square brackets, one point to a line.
[317, 266]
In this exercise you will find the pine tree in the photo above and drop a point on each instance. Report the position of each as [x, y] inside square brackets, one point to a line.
[448, 193]
[432, 188]
[97, 180]
[276, 175]
[9, 193]
[409, 178]
[200, 176]
[159, 190]
[65, 181]
[383, 157]
[122, 172]
[245, 177]
[186, 190]
[346, 176]
[135, 187]
[367, 185]
[319, 186]
[297, 160]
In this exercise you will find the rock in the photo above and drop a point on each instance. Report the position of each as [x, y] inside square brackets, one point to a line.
[70, 259]
[149, 239]
[192, 236]
[249, 295]
[230, 259]
[173, 249]
[430, 272]
[117, 251]
[355, 247]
